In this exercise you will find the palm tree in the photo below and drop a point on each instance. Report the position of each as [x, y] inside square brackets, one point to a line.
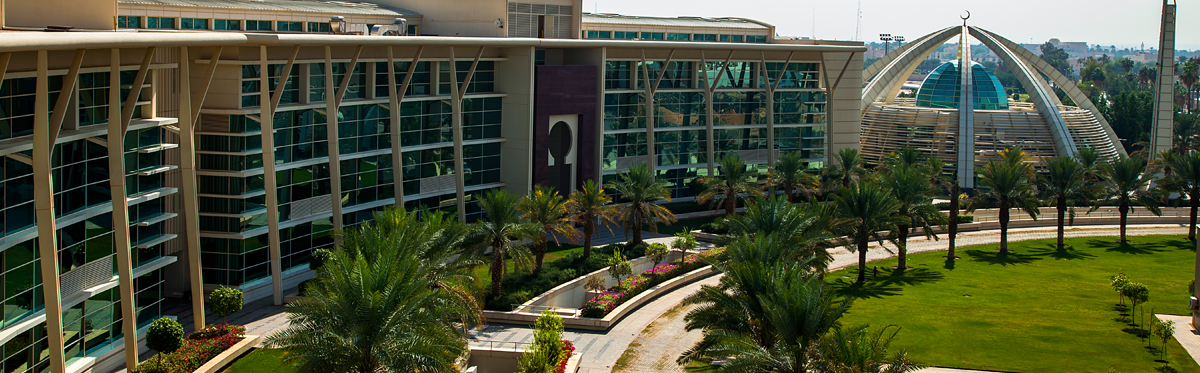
[1125, 181]
[502, 231]
[788, 174]
[846, 167]
[546, 208]
[642, 189]
[1186, 179]
[909, 185]
[1007, 185]
[1189, 74]
[804, 227]
[1064, 179]
[858, 350]
[866, 210]
[590, 207]
[766, 312]
[379, 304]
[733, 181]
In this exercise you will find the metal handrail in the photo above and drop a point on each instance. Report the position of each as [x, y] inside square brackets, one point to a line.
[493, 345]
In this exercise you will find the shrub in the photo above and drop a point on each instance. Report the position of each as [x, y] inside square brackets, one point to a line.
[225, 301]
[657, 252]
[197, 349]
[684, 241]
[319, 257]
[615, 296]
[717, 226]
[152, 366]
[164, 336]
[966, 219]
[594, 283]
[546, 354]
[306, 286]
[619, 266]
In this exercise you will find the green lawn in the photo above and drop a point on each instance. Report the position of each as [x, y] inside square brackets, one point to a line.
[1035, 310]
[260, 360]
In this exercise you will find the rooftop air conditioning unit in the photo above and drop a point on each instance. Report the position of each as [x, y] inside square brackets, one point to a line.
[398, 28]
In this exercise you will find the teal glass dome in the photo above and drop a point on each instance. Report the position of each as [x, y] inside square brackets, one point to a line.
[941, 88]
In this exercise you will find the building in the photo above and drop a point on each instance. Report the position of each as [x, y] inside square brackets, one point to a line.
[163, 148]
[963, 116]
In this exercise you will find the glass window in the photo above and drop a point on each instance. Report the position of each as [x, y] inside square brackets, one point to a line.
[129, 22]
[622, 35]
[705, 37]
[160, 23]
[599, 35]
[679, 37]
[227, 24]
[288, 26]
[731, 38]
[420, 83]
[193, 24]
[319, 27]
[253, 25]
[652, 36]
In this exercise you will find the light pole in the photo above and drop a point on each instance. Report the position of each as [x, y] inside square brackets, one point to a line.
[899, 40]
[885, 38]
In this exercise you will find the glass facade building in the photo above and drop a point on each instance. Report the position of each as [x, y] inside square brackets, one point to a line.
[941, 88]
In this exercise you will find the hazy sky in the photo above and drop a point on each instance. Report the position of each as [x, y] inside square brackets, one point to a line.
[1124, 23]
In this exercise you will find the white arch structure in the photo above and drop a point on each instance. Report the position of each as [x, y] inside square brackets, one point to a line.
[1067, 128]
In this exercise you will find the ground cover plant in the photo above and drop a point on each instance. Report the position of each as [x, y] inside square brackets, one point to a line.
[1036, 309]
[630, 287]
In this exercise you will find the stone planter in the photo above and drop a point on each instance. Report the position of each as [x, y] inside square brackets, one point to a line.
[220, 361]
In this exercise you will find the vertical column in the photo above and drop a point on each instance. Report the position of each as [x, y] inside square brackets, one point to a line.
[331, 131]
[267, 124]
[1162, 126]
[394, 98]
[189, 110]
[651, 159]
[709, 115]
[456, 130]
[120, 205]
[43, 146]
[966, 114]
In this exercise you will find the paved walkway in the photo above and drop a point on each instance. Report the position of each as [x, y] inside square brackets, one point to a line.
[666, 338]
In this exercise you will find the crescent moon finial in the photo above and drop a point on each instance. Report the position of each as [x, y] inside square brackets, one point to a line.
[967, 17]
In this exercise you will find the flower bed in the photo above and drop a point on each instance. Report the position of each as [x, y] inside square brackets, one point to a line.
[568, 348]
[198, 348]
[610, 299]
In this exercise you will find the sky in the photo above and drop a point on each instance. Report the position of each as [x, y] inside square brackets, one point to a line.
[1127, 23]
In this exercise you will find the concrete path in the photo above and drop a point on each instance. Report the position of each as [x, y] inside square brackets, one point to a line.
[666, 338]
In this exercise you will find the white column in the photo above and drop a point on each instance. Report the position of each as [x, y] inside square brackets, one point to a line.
[267, 123]
[43, 201]
[120, 213]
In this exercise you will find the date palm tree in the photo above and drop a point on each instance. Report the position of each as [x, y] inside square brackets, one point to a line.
[501, 231]
[1064, 179]
[909, 185]
[788, 174]
[1007, 183]
[766, 312]
[734, 181]
[846, 168]
[1126, 182]
[1186, 179]
[859, 350]
[866, 210]
[642, 189]
[383, 302]
[548, 210]
[590, 208]
[803, 226]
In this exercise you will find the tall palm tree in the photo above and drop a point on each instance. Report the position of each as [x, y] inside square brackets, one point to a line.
[379, 304]
[548, 210]
[642, 189]
[846, 167]
[788, 174]
[909, 185]
[858, 350]
[866, 210]
[1064, 179]
[589, 208]
[1126, 182]
[804, 227]
[502, 231]
[1007, 184]
[733, 181]
[1189, 74]
[1186, 179]
[766, 312]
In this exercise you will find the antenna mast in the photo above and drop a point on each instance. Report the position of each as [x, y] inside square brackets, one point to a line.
[858, 25]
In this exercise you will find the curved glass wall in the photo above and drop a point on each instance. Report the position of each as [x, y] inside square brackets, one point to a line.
[942, 88]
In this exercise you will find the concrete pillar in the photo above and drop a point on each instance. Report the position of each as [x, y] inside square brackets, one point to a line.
[1162, 127]
[120, 214]
[43, 146]
[456, 130]
[331, 131]
[188, 183]
[267, 123]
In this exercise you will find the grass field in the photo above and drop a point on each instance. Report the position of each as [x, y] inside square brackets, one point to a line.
[260, 360]
[1037, 309]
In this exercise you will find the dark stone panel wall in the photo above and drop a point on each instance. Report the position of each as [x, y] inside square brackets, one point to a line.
[565, 90]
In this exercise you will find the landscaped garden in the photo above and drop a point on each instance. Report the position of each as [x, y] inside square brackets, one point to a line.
[1036, 309]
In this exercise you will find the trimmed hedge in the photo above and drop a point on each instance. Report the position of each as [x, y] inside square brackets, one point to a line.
[617, 295]
[521, 287]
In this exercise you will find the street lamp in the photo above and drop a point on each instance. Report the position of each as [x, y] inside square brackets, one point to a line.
[885, 38]
[899, 40]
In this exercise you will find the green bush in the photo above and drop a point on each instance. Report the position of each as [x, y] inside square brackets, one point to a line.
[966, 219]
[164, 335]
[225, 301]
[319, 257]
[716, 227]
[152, 366]
[522, 286]
[306, 286]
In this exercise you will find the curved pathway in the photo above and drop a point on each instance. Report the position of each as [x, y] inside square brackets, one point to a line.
[666, 338]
